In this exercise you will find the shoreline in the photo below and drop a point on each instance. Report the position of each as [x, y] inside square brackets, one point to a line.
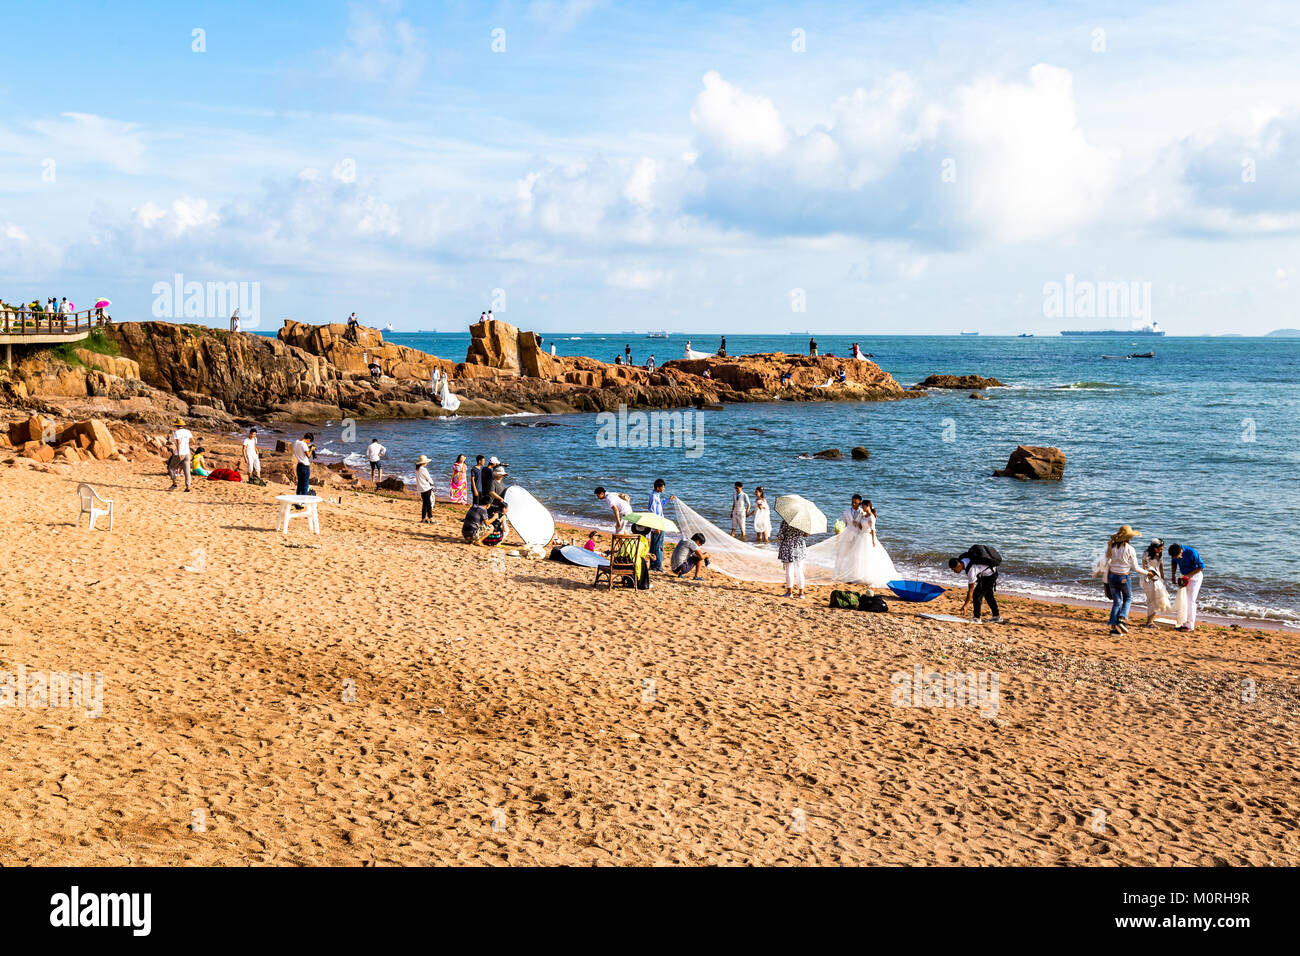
[583, 524]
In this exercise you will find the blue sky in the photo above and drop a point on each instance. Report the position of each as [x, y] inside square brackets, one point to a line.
[857, 168]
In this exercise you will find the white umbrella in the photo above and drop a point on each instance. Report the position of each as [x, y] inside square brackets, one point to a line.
[800, 513]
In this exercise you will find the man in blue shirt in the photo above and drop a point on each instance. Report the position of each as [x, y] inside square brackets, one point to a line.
[1185, 564]
[657, 537]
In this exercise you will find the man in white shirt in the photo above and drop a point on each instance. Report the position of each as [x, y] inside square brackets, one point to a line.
[234, 321]
[739, 510]
[619, 505]
[181, 453]
[252, 461]
[981, 580]
[302, 452]
[375, 452]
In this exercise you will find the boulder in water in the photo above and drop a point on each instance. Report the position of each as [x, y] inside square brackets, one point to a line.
[859, 453]
[1034, 463]
[830, 454]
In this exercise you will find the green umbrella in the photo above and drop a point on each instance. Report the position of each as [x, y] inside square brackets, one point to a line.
[647, 519]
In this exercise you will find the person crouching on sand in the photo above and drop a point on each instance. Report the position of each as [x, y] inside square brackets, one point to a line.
[791, 549]
[496, 528]
[1121, 561]
[688, 557]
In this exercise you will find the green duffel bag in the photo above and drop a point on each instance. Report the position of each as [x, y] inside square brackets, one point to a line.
[845, 600]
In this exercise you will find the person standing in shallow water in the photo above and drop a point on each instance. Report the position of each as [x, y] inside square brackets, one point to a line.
[762, 515]
[739, 511]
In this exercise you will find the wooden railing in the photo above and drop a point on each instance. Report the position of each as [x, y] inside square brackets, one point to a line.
[25, 322]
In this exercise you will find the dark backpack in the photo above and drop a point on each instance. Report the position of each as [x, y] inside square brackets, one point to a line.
[872, 602]
[983, 554]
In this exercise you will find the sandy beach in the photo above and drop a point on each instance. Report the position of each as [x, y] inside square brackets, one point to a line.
[384, 694]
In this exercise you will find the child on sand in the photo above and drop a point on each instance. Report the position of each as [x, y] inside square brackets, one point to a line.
[196, 466]
[591, 541]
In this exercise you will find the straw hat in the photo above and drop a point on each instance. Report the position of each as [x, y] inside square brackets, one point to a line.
[1125, 535]
[179, 423]
[422, 460]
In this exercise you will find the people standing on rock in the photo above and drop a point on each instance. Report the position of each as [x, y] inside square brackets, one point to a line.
[234, 320]
[762, 517]
[791, 550]
[1153, 584]
[252, 461]
[650, 363]
[182, 459]
[618, 360]
[739, 510]
[627, 355]
[458, 481]
[980, 565]
[375, 453]
[812, 347]
[1121, 561]
[424, 485]
[435, 380]
[618, 504]
[856, 352]
[303, 451]
[1186, 568]
[376, 372]
[353, 326]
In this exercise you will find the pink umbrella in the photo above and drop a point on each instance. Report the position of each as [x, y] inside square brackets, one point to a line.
[103, 303]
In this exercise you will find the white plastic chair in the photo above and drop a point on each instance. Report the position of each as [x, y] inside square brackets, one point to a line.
[93, 505]
[287, 512]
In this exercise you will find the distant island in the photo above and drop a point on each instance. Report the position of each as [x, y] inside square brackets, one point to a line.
[1286, 333]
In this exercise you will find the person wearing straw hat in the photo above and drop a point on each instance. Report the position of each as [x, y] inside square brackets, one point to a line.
[181, 460]
[424, 485]
[1121, 561]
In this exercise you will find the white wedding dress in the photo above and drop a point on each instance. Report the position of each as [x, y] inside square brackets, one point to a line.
[857, 560]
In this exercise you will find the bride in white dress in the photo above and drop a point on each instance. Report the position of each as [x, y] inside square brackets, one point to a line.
[860, 558]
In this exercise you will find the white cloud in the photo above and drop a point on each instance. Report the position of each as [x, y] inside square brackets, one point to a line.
[381, 50]
[736, 124]
[640, 184]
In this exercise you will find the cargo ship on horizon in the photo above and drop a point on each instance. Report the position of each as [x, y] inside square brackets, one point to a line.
[1152, 329]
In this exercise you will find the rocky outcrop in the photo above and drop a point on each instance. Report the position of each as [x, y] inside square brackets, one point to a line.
[1034, 463]
[812, 378]
[830, 454]
[352, 358]
[112, 364]
[858, 453]
[960, 381]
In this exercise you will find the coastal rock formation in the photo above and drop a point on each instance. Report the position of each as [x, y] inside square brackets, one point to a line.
[977, 395]
[812, 378]
[1034, 463]
[319, 373]
[859, 453]
[830, 454]
[960, 381]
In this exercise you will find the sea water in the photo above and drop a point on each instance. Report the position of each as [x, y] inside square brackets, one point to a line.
[1198, 445]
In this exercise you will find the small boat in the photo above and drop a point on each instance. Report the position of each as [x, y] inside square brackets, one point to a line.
[915, 591]
[964, 332]
[1142, 355]
[389, 327]
[1026, 335]
[657, 335]
[1116, 358]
